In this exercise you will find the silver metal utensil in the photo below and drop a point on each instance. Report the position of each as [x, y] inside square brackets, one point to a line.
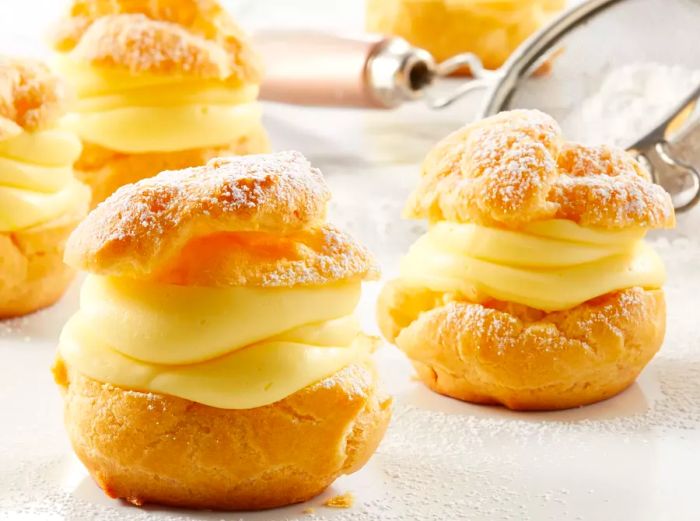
[369, 71]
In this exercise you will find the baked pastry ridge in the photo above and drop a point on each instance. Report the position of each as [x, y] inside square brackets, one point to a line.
[40, 199]
[163, 85]
[224, 288]
[533, 280]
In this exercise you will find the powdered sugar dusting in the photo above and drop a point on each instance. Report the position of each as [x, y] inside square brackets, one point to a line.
[602, 184]
[225, 186]
[339, 257]
[509, 162]
[196, 39]
[144, 224]
[630, 101]
[617, 201]
[136, 42]
[517, 165]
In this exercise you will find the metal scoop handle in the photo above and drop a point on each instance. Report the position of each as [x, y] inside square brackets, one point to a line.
[368, 71]
[666, 160]
[678, 178]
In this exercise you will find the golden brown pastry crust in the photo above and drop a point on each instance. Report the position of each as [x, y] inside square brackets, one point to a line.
[142, 229]
[203, 457]
[32, 272]
[31, 97]
[515, 168]
[525, 359]
[313, 257]
[105, 170]
[190, 37]
[446, 28]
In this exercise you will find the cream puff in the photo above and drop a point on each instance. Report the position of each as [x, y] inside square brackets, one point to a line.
[492, 29]
[161, 85]
[533, 287]
[215, 360]
[40, 199]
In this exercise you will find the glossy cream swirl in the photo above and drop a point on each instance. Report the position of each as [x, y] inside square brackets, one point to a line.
[232, 348]
[550, 265]
[156, 113]
[36, 178]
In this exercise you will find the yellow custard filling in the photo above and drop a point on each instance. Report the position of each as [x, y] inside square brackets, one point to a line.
[233, 348]
[36, 178]
[550, 265]
[165, 129]
[169, 324]
[137, 113]
[197, 93]
[51, 148]
[87, 80]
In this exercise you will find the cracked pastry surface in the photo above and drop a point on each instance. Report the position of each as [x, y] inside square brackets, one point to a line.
[40, 199]
[221, 293]
[164, 85]
[533, 287]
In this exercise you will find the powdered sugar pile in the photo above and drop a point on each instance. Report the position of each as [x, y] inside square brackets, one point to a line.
[630, 102]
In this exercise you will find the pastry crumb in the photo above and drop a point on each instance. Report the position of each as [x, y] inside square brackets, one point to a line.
[309, 511]
[340, 501]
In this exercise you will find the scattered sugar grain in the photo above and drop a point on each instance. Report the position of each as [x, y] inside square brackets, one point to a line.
[340, 501]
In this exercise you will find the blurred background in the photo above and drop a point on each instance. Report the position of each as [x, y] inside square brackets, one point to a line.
[21, 22]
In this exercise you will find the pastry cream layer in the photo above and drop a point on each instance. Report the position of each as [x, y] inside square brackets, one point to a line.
[36, 178]
[550, 265]
[149, 113]
[233, 348]
[169, 324]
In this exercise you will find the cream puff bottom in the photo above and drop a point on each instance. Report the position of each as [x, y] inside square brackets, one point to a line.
[154, 448]
[32, 272]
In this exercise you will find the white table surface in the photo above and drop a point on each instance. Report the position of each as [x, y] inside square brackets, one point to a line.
[633, 457]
